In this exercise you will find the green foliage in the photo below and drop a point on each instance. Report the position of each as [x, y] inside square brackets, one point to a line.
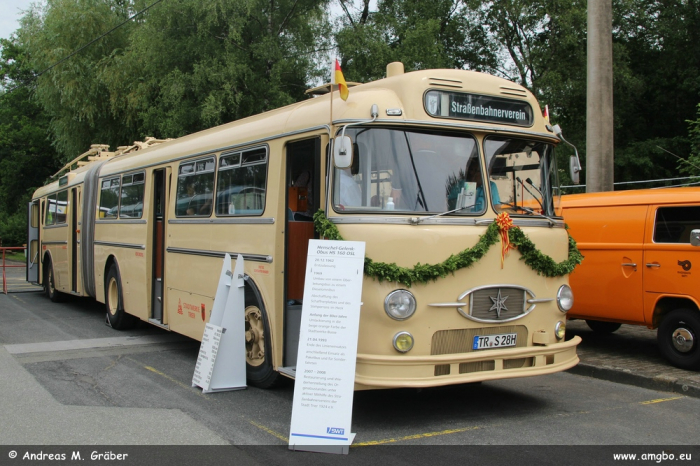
[693, 165]
[423, 273]
[13, 229]
[422, 35]
[26, 155]
[183, 66]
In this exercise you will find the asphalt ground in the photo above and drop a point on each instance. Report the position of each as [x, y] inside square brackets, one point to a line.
[35, 415]
[630, 355]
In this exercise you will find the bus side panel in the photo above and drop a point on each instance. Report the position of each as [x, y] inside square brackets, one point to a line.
[125, 243]
[56, 239]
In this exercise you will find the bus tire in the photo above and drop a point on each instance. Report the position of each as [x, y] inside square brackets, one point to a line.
[258, 348]
[602, 327]
[678, 338]
[114, 303]
[50, 283]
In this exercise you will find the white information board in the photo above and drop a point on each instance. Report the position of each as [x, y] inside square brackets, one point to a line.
[325, 371]
[221, 361]
[208, 350]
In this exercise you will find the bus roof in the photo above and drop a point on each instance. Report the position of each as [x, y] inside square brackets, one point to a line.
[404, 91]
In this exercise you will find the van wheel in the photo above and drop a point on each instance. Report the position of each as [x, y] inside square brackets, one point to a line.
[50, 283]
[678, 338]
[258, 352]
[599, 326]
[118, 318]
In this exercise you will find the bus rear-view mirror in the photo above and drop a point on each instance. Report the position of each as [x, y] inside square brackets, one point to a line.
[342, 152]
[574, 169]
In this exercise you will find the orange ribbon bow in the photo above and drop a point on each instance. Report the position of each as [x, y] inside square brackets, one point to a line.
[504, 223]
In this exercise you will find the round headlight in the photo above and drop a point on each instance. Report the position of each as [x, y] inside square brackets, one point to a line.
[565, 298]
[560, 330]
[400, 304]
[403, 342]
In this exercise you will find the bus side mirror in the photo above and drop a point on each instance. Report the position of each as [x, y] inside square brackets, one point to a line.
[342, 152]
[574, 169]
[695, 237]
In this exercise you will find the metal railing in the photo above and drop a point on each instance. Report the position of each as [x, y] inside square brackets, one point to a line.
[5, 266]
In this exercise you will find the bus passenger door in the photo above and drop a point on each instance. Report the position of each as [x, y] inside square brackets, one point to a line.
[303, 192]
[158, 213]
[74, 230]
[33, 243]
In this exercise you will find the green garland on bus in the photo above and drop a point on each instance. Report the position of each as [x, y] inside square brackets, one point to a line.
[422, 273]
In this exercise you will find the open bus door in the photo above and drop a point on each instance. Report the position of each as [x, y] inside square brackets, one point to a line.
[32, 252]
[75, 244]
[303, 193]
[158, 212]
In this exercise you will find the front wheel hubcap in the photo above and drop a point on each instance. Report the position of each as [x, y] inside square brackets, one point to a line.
[683, 339]
[254, 336]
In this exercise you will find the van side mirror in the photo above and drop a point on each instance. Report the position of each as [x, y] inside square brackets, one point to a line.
[695, 238]
[342, 152]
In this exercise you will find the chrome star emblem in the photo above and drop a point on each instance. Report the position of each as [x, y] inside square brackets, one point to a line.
[498, 304]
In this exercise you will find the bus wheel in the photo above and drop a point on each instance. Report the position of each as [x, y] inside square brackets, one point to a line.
[678, 338]
[258, 354]
[598, 326]
[50, 283]
[118, 318]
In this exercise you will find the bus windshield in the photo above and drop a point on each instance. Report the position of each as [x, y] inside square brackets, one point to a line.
[522, 176]
[410, 171]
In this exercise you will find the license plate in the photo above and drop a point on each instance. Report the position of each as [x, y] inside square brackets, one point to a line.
[494, 341]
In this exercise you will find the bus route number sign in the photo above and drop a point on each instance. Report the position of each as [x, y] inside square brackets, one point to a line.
[494, 341]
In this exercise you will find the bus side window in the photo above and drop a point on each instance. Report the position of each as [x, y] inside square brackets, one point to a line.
[241, 183]
[109, 198]
[195, 188]
[50, 218]
[61, 207]
[131, 204]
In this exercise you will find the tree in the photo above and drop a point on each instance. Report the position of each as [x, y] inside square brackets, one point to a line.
[180, 67]
[422, 35]
[26, 155]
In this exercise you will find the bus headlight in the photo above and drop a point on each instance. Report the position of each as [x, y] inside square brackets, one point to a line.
[400, 304]
[565, 298]
[560, 330]
[403, 342]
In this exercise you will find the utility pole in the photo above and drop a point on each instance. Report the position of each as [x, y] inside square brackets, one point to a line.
[599, 105]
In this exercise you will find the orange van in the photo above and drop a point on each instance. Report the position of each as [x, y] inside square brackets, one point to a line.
[641, 266]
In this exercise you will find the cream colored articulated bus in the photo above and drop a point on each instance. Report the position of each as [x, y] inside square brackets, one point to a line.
[418, 165]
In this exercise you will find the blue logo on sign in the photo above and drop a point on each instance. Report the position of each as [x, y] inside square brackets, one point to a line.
[335, 430]
[476, 342]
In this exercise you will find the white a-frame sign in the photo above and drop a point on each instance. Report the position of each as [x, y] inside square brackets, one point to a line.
[221, 360]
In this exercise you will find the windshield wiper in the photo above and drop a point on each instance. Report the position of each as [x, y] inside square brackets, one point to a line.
[417, 220]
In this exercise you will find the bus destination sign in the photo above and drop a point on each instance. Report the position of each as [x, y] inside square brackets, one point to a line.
[478, 108]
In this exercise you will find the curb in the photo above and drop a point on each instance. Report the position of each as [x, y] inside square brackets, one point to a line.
[666, 384]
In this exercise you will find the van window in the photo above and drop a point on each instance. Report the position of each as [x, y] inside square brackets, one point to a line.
[241, 183]
[674, 224]
[195, 188]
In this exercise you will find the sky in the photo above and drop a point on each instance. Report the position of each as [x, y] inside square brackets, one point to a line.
[11, 13]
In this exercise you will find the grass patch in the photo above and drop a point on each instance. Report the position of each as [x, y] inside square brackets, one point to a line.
[17, 256]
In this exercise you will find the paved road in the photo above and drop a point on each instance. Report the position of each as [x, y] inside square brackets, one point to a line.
[67, 379]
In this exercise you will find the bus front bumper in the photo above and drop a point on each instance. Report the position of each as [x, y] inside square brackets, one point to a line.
[373, 372]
